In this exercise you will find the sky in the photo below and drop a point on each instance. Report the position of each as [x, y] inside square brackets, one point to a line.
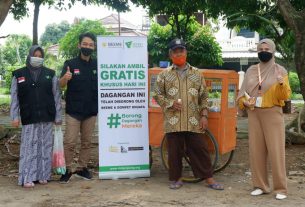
[50, 15]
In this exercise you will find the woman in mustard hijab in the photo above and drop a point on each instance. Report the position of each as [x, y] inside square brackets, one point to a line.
[262, 94]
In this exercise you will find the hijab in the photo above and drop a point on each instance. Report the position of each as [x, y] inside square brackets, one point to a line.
[35, 71]
[269, 72]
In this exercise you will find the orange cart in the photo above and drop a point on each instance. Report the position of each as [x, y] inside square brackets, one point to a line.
[222, 86]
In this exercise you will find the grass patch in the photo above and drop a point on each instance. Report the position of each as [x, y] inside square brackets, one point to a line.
[4, 91]
[5, 100]
[296, 96]
[299, 106]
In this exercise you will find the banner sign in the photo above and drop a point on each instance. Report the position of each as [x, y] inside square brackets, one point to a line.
[123, 107]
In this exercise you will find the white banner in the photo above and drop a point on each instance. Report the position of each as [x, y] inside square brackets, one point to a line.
[123, 107]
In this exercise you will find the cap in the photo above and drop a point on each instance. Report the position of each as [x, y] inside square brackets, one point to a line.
[176, 43]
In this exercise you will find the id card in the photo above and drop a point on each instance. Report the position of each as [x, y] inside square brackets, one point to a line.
[259, 101]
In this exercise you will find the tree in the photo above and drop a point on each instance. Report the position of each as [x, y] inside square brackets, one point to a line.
[281, 20]
[19, 8]
[5, 6]
[174, 10]
[203, 50]
[68, 44]
[16, 49]
[294, 15]
[54, 32]
[13, 55]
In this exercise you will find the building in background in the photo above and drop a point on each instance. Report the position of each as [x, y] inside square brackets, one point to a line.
[239, 49]
[119, 26]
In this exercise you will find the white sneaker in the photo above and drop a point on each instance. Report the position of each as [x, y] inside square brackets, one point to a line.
[257, 192]
[280, 196]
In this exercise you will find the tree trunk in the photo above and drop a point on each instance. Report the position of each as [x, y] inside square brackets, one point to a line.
[5, 6]
[177, 23]
[299, 58]
[295, 130]
[37, 4]
[295, 21]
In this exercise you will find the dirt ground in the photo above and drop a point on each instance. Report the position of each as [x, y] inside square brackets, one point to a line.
[151, 191]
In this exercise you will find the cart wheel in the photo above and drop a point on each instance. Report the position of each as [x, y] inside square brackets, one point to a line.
[223, 161]
[150, 157]
[187, 174]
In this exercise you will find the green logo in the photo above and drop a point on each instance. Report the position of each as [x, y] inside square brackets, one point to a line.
[48, 77]
[128, 44]
[114, 121]
[94, 72]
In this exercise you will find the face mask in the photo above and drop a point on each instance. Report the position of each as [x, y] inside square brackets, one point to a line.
[264, 56]
[36, 62]
[179, 61]
[86, 51]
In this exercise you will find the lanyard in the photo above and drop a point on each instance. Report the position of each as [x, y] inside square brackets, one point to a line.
[260, 81]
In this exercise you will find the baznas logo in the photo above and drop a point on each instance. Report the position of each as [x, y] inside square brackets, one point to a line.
[128, 44]
[104, 44]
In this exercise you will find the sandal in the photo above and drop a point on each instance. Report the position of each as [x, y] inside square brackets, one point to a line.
[175, 185]
[29, 185]
[216, 186]
[43, 182]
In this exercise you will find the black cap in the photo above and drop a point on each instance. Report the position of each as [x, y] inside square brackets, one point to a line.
[176, 43]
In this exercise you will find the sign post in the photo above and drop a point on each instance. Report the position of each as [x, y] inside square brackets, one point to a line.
[123, 107]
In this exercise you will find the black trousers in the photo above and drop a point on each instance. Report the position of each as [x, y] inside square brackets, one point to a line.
[196, 149]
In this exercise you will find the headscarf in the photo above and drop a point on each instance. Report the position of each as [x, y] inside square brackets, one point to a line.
[34, 71]
[269, 72]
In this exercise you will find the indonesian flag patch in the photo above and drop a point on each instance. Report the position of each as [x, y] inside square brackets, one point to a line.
[21, 79]
[76, 72]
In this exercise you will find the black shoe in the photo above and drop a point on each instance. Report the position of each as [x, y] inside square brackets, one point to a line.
[84, 173]
[66, 177]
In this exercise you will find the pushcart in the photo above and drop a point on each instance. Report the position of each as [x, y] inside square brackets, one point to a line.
[221, 133]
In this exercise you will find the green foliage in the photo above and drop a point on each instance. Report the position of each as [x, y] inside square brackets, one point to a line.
[203, 50]
[54, 63]
[68, 44]
[8, 75]
[16, 49]
[20, 8]
[4, 91]
[178, 13]
[13, 54]
[294, 82]
[296, 96]
[157, 40]
[5, 101]
[54, 32]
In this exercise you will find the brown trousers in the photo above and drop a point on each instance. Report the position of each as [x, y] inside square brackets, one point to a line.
[73, 128]
[267, 140]
[196, 149]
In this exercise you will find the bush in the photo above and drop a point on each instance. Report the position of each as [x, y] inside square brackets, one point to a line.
[203, 50]
[294, 82]
[8, 75]
[68, 44]
[296, 96]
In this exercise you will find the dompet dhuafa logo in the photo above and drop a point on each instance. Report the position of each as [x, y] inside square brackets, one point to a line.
[131, 44]
[128, 44]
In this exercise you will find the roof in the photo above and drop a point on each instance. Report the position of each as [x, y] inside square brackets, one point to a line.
[233, 54]
[112, 21]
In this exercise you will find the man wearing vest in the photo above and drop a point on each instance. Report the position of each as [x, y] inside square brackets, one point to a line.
[80, 77]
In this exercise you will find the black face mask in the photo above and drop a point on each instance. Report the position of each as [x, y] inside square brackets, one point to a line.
[86, 51]
[264, 56]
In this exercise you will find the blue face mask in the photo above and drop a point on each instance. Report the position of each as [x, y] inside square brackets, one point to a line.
[36, 62]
